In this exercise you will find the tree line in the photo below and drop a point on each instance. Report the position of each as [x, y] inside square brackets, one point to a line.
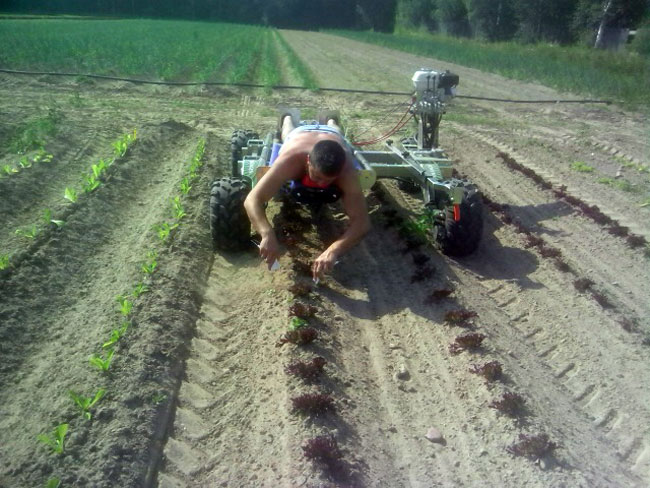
[598, 22]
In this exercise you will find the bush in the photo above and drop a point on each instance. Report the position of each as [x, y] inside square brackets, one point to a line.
[641, 42]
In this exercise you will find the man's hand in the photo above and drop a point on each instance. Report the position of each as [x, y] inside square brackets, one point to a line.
[269, 248]
[324, 263]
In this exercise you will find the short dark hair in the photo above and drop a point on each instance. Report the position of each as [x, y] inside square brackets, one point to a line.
[328, 157]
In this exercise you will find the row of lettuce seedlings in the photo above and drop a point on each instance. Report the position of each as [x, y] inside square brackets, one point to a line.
[103, 360]
[26, 162]
[413, 232]
[92, 180]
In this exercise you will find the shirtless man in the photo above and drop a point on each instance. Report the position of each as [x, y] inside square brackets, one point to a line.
[318, 157]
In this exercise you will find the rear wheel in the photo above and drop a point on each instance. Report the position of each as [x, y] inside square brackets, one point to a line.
[229, 224]
[461, 237]
[239, 140]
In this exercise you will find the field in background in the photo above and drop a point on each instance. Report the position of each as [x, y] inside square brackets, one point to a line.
[149, 49]
[616, 76]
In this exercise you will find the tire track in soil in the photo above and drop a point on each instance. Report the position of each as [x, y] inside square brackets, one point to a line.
[61, 301]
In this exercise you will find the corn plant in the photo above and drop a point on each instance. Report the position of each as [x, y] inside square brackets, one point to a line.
[47, 218]
[4, 261]
[27, 233]
[99, 168]
[70, 194]
[177, 208]
[150, 266]
[9, 169]
[185, 185]
[86, 403]
[139, 289]
[91, 183]
[56, 442]
[42, 156]
[125, 305]
[103, 364]
[25, 163]
[163, 230]
[116, 335]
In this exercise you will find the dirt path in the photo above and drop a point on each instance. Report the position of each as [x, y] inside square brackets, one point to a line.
[199, 395]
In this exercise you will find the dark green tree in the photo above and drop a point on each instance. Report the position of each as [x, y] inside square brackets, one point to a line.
[454, 18]
[493, 20]
[417, 14]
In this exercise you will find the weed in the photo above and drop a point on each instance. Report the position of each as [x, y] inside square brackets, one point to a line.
[27, 233]
[4, 261]
[301, 336]
[323, 449]
[310, 371]
[56, 442]
[116, 335]
[490, 371]
[86, 403]
[302, 310]
[467, 342]
[532, 446]
[70, 194]
[511, 404]
[100, 363]
[313, 403]
[125, 305]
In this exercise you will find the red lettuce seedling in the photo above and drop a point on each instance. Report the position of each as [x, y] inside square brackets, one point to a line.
[466, 342]
[510, 403]
[602, 300]
[301, 336]
[583, 284]
[323, 449]
[300, 289]
[310, 371]
[302, 310]
[437, 295]
[459, 317]
[422, 273]
[313, 403]
[301, 268]
[532, 446]
[490, 371]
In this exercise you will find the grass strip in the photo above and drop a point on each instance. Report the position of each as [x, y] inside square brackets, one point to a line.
[300, 69]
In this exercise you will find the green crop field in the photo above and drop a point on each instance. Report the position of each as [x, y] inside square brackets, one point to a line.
[147, 49]
[620, 77]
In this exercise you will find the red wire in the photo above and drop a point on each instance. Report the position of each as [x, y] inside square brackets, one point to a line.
[397, 127]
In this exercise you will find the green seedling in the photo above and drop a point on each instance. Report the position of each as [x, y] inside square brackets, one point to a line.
[177, 208]
[29, 234]
[119, 148]
[99, 168]
[42, 156]
[86, 403]
[185, 185]
[163, 230]
[9, 169]
[70, 194]
[581, 167]
[4, 261]
[158, 398]
[116, 335]
[125, 305]
[100, 363]
[91, 183]
[56, 442]
[25, 163]
[645, 203]
[53, 483]
[297, 323]
[139, 289]
[150, 266]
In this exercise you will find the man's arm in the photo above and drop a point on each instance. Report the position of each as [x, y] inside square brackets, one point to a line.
[354, 204]
[266, 188]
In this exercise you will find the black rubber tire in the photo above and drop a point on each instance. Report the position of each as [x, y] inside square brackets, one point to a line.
[239, 140]
[229, 224]
[462, 238]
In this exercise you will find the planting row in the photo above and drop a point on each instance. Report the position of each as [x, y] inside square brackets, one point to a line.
[103, 359]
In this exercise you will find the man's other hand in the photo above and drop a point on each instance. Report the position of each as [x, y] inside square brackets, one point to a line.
[270, 249]
[324, 263]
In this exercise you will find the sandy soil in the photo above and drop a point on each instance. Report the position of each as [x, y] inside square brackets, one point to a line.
[198, 394]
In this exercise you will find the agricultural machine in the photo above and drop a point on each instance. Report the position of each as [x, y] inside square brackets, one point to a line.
[453, 207]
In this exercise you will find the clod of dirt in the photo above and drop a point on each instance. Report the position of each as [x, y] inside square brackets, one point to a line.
[435, 436]
[467, 342]
[299, 337]
[511, 404]
[532, 446]
[313, 404]
[491, 371]
[308, 371]
[302, 310]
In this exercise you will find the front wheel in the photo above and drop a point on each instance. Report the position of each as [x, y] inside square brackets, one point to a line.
[229, 224]
[460, 237]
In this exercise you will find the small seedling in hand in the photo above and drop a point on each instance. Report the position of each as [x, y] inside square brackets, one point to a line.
[466, 342]
[532, 446]
[310, 371]
[490, 371]
[102, 364]
[125, 305]
[301, 336]
[56, 442]
[27, 233]
[313, 403]
[511, 404]
[116, 335]
[86, 403]
[70, 194]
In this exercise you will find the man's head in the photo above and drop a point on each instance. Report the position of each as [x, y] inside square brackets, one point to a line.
[326, 160]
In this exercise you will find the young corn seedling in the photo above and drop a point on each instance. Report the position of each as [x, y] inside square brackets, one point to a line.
[91, 183]
[4, 261]
[163, 230]
[119, 148]
[99, 168]
[150, 266]
[86, 403]
[56, 442]
[27, 233]
[25, 163]
[139, 289]
[70, 194]
[42, 156]
[178, 211]
[116, 335]
[9, 169]
[47, 218]
[100, 363]
[185, 186]
[125, 305]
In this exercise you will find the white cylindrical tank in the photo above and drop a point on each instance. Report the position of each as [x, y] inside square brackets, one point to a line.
[425, 79]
